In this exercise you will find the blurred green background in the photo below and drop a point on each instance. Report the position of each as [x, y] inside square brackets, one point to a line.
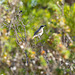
[53, 53]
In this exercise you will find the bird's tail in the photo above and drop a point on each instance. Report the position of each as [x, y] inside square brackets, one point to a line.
[34, 36]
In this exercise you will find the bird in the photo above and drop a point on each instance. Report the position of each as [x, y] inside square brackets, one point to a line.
[39, 32]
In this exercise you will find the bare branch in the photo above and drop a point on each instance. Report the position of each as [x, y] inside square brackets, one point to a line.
[69, 37]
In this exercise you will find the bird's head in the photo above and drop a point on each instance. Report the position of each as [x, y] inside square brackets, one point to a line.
[42, 26]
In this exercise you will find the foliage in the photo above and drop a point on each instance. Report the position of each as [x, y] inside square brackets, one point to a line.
[70, 19]
[53, 53]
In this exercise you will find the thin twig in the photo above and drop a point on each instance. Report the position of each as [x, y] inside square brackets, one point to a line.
[69, 37]
[24, 30]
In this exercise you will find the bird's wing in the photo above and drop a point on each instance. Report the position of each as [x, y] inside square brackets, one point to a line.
[37, 31]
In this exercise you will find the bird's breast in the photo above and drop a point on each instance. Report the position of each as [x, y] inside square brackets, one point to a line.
[41, 32]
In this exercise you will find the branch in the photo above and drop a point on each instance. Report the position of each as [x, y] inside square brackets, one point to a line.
[69, 37]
